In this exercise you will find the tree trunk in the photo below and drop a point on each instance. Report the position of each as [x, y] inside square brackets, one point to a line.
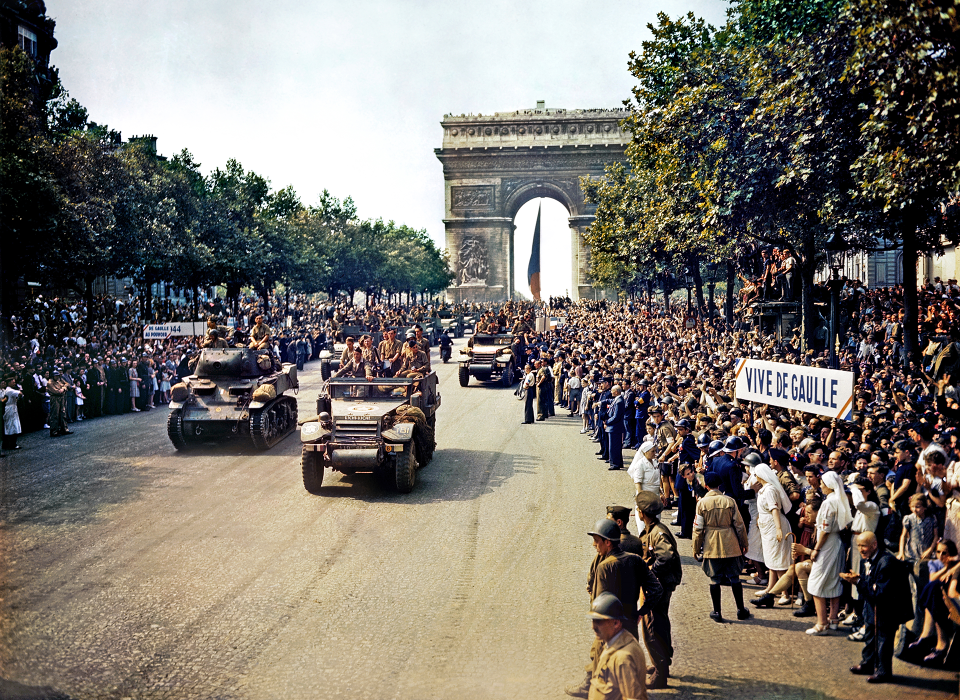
[698, 282]
[88, 299]
[666, 295]
[911, 312]
[807, 264]
[731, 280]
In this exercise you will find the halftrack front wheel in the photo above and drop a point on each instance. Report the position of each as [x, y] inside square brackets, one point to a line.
[311, 465]
[175, 429]
[506, 376]
[464, 376]
[405, 469]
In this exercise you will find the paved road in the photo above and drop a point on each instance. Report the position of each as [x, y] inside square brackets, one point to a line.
[132, 571]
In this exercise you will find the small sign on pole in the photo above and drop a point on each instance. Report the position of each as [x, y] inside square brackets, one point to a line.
[825, 392]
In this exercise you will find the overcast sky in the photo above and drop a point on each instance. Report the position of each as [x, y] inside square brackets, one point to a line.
[348, 96]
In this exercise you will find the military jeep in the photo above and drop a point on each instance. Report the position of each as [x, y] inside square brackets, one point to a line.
[384, 426]
[491, 358]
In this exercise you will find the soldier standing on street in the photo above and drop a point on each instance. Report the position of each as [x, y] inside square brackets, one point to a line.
[661, 555]
[628, 542]
[57, 388]
[619, 671]
[624, 575]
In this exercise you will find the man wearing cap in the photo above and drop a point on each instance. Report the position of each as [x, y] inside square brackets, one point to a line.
[661, 555]
[618, 673]
[422, 343]
[628, 542]
[625, 576]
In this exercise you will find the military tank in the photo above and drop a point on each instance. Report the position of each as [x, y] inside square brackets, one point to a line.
[233, 392]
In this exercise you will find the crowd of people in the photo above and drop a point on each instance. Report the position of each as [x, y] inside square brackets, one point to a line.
[852, 523]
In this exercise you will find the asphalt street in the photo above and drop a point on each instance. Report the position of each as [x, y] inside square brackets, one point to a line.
[130, 570]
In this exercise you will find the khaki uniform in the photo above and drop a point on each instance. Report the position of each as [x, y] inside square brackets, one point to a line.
[259, 333]
[211, 342]
[414, 363]
[424, 345]
[620, 671]
[347, 355]
[57, 387]
[389, 348]
[718, 530]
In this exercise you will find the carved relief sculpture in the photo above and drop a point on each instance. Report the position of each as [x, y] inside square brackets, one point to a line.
[472, 262]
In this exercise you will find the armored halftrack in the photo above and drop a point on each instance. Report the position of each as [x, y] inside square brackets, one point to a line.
[491, 358]
[233, 391]
[452, 321]
[385, 427]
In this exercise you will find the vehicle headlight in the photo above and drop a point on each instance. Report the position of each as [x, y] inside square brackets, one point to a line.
[311, 429]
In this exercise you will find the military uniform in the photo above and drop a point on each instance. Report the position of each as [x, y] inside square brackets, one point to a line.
[57, 389]
[424, 345]
[660, 553]
[259, 333]
[388, 349]
[619, 671]
[214, 342]
[414, 363]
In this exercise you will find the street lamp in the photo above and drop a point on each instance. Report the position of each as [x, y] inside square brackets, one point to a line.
[836, 248]
[688, 282]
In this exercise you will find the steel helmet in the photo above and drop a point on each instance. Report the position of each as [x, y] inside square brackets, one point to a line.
[606, 606]
[715, 448]
[607, 529]
[732, 444]
[704, 440]
[685, 423]
[752, 459]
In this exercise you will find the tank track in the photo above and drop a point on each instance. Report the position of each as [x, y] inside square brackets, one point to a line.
[175, 429]
[270, 424]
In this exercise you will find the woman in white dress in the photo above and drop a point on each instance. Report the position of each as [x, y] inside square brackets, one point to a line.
[772, 504]
[754, 542]
[11, 416]
[827, 556]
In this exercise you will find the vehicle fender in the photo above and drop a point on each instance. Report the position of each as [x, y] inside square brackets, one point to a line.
[177, 404]
[401, 432]
[325, 355]
[257, 404]
[312, 432]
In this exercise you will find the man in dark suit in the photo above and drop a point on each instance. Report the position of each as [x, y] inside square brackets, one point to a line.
[887, 604]
[615, 430]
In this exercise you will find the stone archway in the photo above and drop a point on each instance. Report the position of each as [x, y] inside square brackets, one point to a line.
[493, 165]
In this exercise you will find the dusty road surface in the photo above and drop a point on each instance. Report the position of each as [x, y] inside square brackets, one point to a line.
[130, 570]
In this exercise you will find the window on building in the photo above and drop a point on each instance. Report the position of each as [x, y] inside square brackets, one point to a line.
[27, 41]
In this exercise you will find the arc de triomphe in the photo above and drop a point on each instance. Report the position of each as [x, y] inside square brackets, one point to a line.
[493, 165]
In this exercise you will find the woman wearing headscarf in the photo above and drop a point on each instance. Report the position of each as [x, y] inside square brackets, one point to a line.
[645, 473]
[754, 541]
[772, 505]
[827, 556]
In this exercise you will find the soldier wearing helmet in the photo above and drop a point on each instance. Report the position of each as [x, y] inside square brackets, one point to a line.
[623, 575]
[620, 667]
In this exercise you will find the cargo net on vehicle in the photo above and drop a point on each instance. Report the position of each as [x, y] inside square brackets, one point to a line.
[423, 436]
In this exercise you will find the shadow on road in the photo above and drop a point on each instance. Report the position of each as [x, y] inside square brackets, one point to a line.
[453, 475]
[11, 690]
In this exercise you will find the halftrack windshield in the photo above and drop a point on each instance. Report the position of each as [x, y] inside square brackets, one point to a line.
[377, 389]
[484, 339]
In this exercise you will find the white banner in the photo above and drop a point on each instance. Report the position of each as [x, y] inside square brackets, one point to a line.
[162, 331]
[826, 392]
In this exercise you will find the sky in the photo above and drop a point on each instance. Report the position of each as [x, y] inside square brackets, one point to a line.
[348, 96]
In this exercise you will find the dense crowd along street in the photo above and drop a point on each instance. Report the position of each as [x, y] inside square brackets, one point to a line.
[807, 503]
